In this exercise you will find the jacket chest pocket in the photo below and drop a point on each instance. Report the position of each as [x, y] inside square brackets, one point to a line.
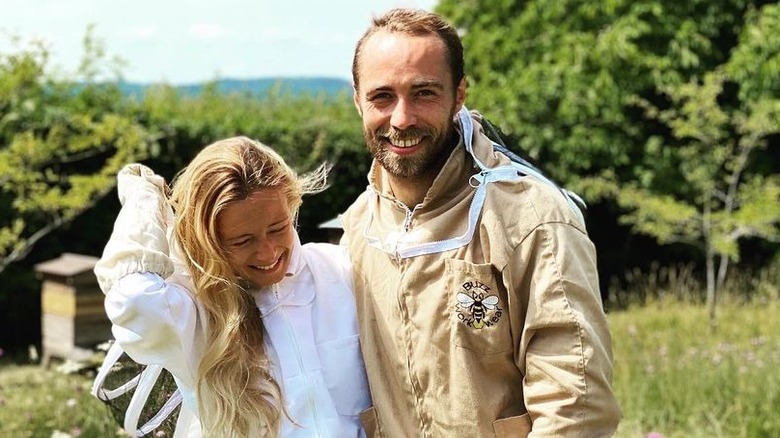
[478, 318]
[345, 375]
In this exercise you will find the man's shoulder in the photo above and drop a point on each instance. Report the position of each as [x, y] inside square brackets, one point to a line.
[534, 201]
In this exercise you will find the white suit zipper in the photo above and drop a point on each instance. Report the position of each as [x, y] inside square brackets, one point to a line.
[302, 367]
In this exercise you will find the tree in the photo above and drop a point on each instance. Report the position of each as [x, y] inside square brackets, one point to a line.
[722, 200]
[61, 143]
[604, 96]
[720, 126]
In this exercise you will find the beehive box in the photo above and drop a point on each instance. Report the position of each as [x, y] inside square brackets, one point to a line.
[73, 319]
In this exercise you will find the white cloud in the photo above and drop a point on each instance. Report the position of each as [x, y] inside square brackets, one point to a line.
[140, 32]
[278, 33]
[209, 31]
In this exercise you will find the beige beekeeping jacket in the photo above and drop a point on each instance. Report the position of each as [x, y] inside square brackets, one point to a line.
[479, 310]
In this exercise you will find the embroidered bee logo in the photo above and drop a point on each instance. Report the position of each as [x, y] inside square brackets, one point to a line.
[476, 307]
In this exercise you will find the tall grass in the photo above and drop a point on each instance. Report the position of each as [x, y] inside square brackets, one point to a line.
[675, 377]
[41, 403]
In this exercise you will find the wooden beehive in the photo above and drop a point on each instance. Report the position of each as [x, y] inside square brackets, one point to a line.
[73, 320]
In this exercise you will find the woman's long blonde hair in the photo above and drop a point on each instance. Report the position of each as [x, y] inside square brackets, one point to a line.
[238, 396]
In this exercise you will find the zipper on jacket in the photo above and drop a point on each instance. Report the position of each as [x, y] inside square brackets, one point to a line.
[408, 220]
[409, 215]
[302, 367]
[407, 226]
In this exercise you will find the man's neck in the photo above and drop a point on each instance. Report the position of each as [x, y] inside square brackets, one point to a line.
[411, 191]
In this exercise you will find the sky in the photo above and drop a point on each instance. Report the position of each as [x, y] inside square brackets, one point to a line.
[183, 42]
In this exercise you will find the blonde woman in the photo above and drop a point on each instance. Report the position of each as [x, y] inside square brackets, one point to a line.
[258, 330]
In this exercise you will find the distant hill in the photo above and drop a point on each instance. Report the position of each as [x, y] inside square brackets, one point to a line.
[260, 87]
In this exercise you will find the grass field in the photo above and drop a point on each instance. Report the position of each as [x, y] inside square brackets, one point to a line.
[38, 403]
[672, 375]
[676, 378]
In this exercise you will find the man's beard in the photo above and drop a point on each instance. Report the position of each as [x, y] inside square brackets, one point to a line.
[423, 162]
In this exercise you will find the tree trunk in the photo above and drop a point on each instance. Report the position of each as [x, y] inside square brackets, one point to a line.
[710, 263]
[722, 269]
[711, 292]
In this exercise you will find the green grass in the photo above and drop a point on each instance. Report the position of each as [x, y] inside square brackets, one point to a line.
[675, 377]
[672, 376]
[36, 402]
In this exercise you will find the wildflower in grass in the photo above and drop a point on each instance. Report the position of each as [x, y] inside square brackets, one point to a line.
[726, 347]
[60, 434]
[761, 340]
[70, 367]
[654, 435]
[159, 433]
[71, 402]
[716, 359]
[76, 431]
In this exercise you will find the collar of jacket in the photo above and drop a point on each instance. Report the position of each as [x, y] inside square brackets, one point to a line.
[272, 297]
[457, 181]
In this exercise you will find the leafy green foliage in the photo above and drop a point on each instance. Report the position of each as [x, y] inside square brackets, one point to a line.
[663, 108]
[755, 60]
[719, 201]
[62, 140]
[561, 77]
[60, 146]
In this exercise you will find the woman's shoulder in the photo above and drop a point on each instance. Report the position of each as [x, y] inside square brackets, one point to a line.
[324, 250]
[327, 260]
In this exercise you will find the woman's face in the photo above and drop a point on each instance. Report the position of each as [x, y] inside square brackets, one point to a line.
[257, 233]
